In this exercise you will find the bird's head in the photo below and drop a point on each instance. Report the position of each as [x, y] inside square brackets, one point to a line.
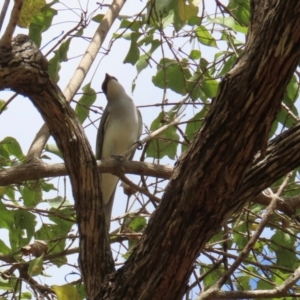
[112, 88]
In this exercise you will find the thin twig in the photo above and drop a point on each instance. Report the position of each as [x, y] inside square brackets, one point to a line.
[5, 41]
[289, 112]
[7, 102]
[3, 12]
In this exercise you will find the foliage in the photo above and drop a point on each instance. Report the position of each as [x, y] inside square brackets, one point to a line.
[184, 52]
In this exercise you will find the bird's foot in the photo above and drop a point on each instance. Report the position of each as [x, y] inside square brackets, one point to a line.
[118, 158]
[140, 144]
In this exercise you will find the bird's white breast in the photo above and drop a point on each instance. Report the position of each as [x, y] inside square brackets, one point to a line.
[121, 133]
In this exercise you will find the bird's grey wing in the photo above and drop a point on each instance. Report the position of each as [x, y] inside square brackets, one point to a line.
[100, 133]
[99, 146]
[140, 130]
[140, 123]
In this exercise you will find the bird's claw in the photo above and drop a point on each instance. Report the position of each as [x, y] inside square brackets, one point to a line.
[118, 158]
[140, 144]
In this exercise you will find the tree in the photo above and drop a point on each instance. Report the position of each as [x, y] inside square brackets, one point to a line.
[236, 177]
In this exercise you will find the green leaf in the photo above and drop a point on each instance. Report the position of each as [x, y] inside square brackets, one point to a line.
[134, 52]
[12, 147]
[29, 9]
[241, 10]
[264, 285]
[36, 266]
[193, 125]
[23, 228]
[193, 86]
[9, 191]
[240, 236]
[284, 247]
[41, 22]
[195, 54]
[80, 290]
[229, 63]
[31, 197]
[173, 76]
[168, 19]
[27, 221]
[292, 89]
[243, 283]
[63, 223]
[7, 285]
[157, 10]
[4, 249]
[283, 116]
[273, 129]
[142, 63]
[98, 18]
[204, 37]
[52, 148]
[65, 292]
[26, 295]
[132, 25]
[216, 238]
[211, 276]
[88, 98]
[203, 65]
[58, 201]
[7, 218]
[2, 103]
[186, 11]
[210, 87]
[138, 224]
[228, 22]
[165, 144]
[59, 56]
[45, 186]
[4, 157]
[280, 276]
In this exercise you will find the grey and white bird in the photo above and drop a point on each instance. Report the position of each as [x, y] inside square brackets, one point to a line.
[120, 127]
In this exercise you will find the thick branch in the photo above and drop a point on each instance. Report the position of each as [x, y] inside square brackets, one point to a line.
[37, 170]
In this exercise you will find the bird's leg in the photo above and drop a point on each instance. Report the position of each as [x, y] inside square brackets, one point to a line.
[140, 143]
[118, 158]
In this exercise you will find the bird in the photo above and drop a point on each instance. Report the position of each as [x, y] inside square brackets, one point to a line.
[120, 127]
